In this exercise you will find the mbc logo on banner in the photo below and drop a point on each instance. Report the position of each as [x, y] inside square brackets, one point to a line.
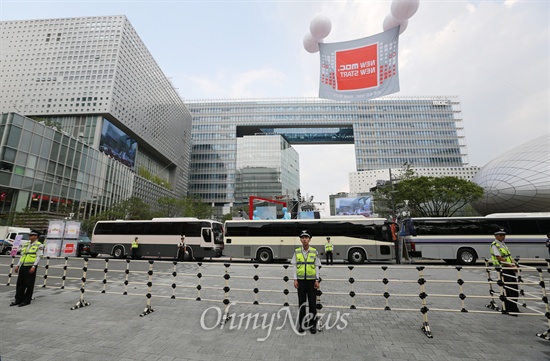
[360, 69]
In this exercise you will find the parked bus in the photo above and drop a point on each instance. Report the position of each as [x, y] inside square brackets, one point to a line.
[159, 237]
[467, 239]
[355, 239]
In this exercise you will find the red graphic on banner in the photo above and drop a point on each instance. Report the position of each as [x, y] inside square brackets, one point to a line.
[357, 68]
[69, 248]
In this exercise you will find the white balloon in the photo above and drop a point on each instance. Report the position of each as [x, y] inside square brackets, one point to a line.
[403, 24]
[390, 22]
[404, 9]
[320, 27]
[310, 43]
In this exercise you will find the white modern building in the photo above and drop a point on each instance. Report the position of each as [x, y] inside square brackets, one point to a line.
[387, 133]
[93, 80]
[362, 182]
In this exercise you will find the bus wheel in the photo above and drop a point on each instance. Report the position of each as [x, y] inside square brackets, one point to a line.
[188, 256]
[118, 252]
[356, 256]
[467, 256]
[264, 256]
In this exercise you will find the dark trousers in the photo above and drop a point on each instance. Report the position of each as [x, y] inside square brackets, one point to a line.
[307, 291]
[509, 276]
[25, 284]
[329, 255]
[135, 253]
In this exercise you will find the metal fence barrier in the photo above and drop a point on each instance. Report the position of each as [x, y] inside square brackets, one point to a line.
[362, 293]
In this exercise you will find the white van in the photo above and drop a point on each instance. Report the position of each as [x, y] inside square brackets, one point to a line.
[9, 237]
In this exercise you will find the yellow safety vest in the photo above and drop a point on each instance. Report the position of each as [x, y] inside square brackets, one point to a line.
[328, 247]
[135, 244]
[504, 253]
[305, 268]
[28, 254]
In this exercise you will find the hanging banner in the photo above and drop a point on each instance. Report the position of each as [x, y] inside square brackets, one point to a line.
[72, 229]
[52, 247]
[56, 229]
[360, 69]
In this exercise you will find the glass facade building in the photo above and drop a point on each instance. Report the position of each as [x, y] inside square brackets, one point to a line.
[387, 133]
[94, 80]
[267, 166]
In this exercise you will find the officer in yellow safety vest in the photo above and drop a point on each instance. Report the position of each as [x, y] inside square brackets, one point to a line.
[501, 257]
[26, 268]
[305, 263]
[329, 248]
[135, 246]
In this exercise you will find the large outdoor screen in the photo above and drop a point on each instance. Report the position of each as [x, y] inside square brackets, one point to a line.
[117, 144]
[350, 206]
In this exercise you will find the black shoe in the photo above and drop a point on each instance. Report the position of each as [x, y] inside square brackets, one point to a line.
[313, 330]
[23, 304]
[300, 330]
[15, 303]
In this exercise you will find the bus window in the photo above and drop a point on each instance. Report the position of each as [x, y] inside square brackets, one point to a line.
[103, 228]
[259, 229]
[467, 227]
[120, 228]
[206, 235]
[154, 228]
[524, 226]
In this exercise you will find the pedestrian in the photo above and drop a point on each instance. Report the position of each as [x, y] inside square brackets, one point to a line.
[182, 250]
[135, 248]
[501, 257]
[305, 263]
[26, 268]
[548, 243]
[329, 248]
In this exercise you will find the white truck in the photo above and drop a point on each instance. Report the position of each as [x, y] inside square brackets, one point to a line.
[9, 236]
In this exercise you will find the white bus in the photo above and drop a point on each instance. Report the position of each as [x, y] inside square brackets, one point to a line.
[355, 239]
[467, 239]
[159, 237]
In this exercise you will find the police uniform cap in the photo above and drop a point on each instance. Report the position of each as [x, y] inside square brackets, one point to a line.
[304, 234]
[34, 234]
[500, 231]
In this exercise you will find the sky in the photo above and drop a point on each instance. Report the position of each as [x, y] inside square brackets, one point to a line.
[493, 55]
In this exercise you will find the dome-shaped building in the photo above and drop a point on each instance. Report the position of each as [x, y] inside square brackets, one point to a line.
[518, 180]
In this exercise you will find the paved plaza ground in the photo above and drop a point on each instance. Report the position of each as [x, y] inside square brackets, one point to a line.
[182, 328]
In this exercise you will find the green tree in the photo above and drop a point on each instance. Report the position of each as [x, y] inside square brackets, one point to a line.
[195, 207]
[132, 208]
[171, 207]
[184, 207]
[435, 196]
[227, 217]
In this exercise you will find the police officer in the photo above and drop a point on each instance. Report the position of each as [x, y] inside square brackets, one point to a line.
[182, 251]
[26, 268]
[135, 246]
[329, 247]
[306, 263]
[501, 257]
